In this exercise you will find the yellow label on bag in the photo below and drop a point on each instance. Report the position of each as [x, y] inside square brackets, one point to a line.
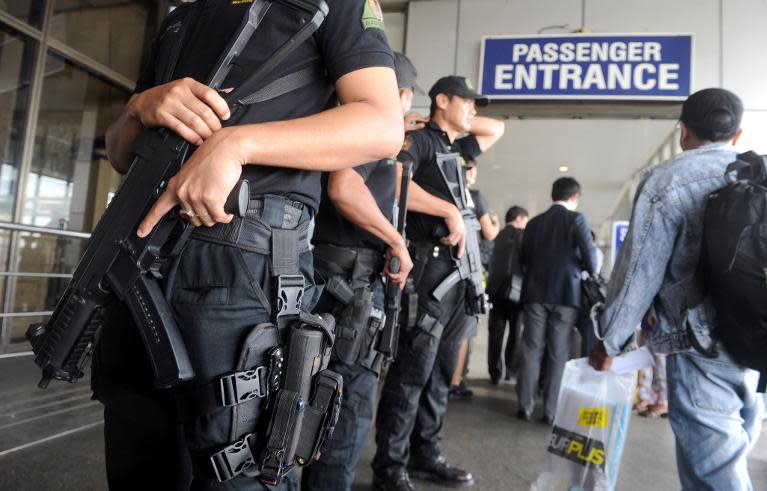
[593, 416]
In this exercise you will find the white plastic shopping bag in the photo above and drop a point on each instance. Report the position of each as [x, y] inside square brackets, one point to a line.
[590, 425]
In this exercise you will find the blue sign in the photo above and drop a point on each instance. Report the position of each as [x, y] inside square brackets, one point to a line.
[620, 229]
[595, 66]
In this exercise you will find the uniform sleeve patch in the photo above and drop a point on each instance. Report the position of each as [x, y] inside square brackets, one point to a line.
[372, 15]
[407, 144]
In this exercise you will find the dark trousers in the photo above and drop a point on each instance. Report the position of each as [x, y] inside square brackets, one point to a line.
[503, 312]
[546, 327]
[218, 293]
[414, 397]
[335, 469]
[144, 447]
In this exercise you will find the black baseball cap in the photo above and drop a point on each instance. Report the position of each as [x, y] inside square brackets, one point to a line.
[406, 73]
[713, 114]
[456, 85]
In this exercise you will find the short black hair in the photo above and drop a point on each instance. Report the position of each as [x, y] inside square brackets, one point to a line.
[712, 114]
[564, 188]
[433, 107]
[514, 212]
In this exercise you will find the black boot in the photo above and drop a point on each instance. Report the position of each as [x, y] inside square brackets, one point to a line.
[437, 470]
[394, 481]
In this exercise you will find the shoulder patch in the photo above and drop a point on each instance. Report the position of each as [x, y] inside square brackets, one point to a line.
[407, 144]
[372, 15]
[175, 27]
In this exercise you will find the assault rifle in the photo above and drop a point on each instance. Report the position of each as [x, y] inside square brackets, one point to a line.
[390, 334]
[469, 265]
[117, 264]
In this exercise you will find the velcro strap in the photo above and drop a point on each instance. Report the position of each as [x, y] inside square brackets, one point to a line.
[321, 416]
[277, 457]
[285, 251]
[431, 325]
[345, 332]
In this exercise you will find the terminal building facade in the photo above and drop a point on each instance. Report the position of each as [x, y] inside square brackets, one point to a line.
[67, 67]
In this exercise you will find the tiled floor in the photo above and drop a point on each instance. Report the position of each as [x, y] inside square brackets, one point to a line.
[52, 440]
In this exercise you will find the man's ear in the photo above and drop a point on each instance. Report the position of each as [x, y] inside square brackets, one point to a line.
[442, 101]
[684, 133]
[737, 136]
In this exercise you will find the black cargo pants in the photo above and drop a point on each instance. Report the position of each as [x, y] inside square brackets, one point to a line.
[218, 293]
[414, 398]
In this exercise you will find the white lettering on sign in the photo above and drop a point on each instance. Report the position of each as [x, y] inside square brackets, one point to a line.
[503, 76]
[588, 65]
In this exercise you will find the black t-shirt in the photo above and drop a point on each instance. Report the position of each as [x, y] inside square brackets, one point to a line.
[333, 228]
[420, 148]
[345, 42]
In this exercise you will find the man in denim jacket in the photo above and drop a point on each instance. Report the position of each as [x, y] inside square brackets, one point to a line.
[713, 405]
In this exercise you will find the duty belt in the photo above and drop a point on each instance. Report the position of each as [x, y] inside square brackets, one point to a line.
[249, 233]
[358, 263]
[429, 251]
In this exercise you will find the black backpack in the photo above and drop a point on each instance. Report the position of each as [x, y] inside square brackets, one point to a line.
[734, 262]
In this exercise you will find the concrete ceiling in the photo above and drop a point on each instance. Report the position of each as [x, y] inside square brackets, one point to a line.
[522, 166]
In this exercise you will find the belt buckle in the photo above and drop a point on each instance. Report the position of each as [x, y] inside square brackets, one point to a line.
[290, 292]
[243, 386]
[232, 460]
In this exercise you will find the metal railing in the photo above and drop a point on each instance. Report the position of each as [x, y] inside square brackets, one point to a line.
[10, 276]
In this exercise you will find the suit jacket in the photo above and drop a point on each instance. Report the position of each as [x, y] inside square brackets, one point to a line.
[557, 246]
[504, 261]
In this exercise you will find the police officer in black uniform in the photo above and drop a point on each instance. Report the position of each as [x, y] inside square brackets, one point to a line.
[226, 280]
[414, 398]
[353, 240]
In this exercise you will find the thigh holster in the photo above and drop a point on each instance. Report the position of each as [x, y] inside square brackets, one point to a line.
[350, 298]
[300, 398]
[283, 400]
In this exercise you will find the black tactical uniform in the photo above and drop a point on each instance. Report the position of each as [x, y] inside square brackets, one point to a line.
[345, 253]
[414, 398]
[224, 282]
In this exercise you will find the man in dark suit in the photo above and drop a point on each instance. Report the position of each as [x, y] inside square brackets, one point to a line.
[556, 248]
[504, 280]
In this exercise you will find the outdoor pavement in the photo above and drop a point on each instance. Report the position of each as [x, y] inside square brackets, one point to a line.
[52, 439]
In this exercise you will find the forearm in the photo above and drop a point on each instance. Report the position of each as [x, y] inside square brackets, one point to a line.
[487, 131]
[119, 139]
[422, 201]
[331, 140]
[637, 276]
[354, 201]
[489, 228]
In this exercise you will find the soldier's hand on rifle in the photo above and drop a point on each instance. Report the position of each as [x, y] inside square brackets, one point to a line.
[192, 110]
[203, 183]
[457, 232]
[399, 251]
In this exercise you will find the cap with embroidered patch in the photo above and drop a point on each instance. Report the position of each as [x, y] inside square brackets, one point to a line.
[457, 85]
